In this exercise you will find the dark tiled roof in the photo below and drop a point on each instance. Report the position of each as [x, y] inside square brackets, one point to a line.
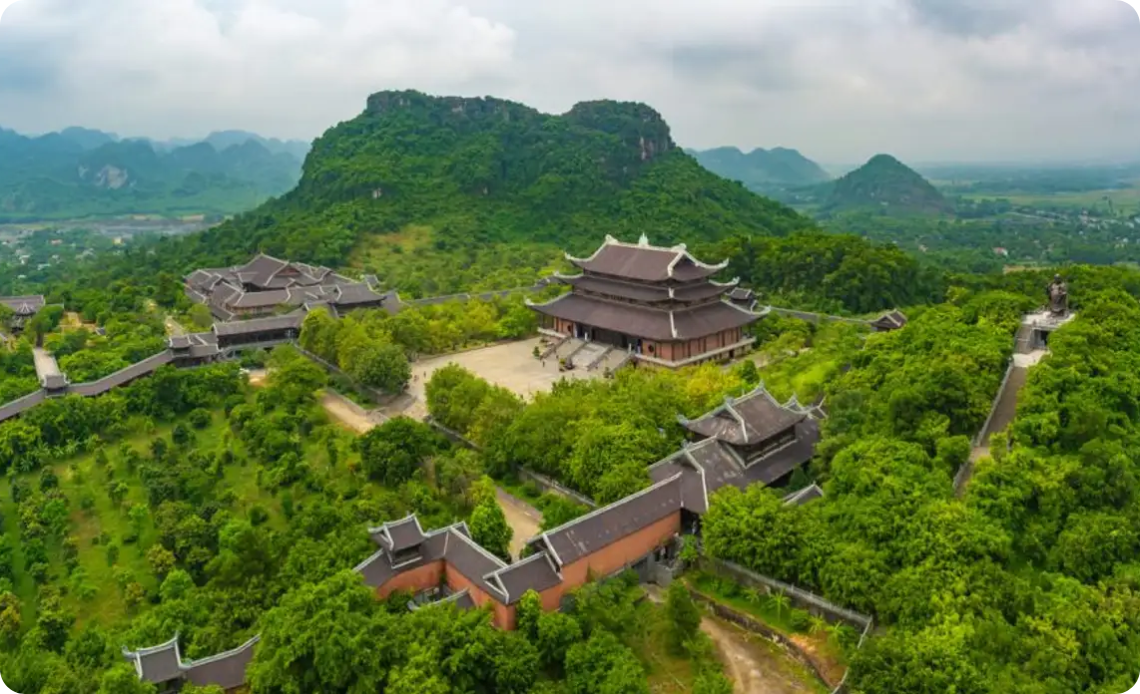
[771, 467]
[890, 321]
[157, 664]
[646, 263]
[226, 670]
[711, 319]
[258, 325]
[741, 294]
[693, 495]
[351, 294]
[720, 465]
[17, 407]
[266, 299]
[474, 563]
[179, 342]
[801, 497]
[533, 573]
[399, 535]
[606, 525]
[646, 322]
[137, 370]
[23, 305]
[745, 421]
[644, 292]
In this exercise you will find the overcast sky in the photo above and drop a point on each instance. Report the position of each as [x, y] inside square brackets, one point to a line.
[926, 80]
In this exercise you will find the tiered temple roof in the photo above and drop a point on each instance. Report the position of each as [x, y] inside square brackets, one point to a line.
[264, 283]
[651, 292]
[23, 306]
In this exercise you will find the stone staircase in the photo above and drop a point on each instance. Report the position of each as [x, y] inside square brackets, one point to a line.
[589, 355]
[614, 360]
[568, 347]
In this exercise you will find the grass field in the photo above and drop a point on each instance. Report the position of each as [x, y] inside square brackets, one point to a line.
[1124, 201]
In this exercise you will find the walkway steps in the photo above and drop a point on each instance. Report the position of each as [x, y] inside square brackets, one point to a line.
[568, 348]
[1006, 406]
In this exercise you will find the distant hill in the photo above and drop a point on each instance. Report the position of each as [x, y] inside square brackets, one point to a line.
[79, 172]
[481, 172]
[225, 139]
[762, 170]
[883, 184]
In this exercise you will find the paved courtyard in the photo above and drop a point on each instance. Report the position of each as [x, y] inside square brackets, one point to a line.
[511, 366]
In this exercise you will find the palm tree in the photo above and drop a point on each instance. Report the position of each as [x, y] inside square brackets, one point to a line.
[780, 602]
[817, 625]
[753, 596]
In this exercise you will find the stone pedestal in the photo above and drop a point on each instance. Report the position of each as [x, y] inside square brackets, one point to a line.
[1037, 327]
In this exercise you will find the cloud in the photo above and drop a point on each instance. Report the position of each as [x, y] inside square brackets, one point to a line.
[838, 79]
[4, 5]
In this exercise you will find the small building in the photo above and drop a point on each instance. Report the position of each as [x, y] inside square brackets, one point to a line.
[24, 308]
[659, 304]
[263, 331]
[265, 284]
[164, 667]
[744, 298]
[892, 320]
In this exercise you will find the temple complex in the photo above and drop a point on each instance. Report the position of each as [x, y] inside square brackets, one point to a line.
[752, 439]
[265, 284]
[659, 304]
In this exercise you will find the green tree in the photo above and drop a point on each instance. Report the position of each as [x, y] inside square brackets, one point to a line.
[122, 679]
[489, 528]
[684, 617]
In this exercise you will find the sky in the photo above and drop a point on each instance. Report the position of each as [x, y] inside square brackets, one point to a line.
[840, 80]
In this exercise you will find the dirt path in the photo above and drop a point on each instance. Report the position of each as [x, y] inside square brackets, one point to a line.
[754, 664]
[173, 327]
[338, 407]
[524, 519]
[344, 413]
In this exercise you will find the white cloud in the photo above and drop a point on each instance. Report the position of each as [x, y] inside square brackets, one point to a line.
[925, 79]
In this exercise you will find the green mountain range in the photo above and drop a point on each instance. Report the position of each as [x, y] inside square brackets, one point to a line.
[762, 170]
[886, 185]
[79, 172]
[451, 173]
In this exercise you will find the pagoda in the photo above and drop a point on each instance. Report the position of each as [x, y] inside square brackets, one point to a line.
[657, 303]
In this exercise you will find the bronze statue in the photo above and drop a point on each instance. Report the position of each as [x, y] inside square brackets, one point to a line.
[1058, 297]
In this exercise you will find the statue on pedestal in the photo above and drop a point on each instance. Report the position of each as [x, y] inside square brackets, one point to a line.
[1058, 297]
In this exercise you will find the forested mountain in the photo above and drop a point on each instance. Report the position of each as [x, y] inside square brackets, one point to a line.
[473, 173]
[79, 172]
[762, 170]
[887, 185]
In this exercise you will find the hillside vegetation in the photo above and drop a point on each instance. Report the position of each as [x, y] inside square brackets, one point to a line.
[763, 170]
[886, 184]
[80, 173]
[479, 172]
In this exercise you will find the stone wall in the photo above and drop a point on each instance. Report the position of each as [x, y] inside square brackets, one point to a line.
[801, 598]
[548, 485]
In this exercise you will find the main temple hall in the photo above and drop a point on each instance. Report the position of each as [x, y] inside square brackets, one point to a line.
[660, 304]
